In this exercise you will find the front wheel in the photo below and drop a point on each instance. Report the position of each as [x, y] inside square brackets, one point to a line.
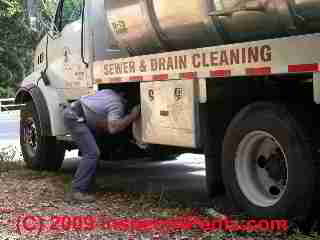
[39, 152]
[268, 167]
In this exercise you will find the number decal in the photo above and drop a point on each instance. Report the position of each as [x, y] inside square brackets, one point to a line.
[120, 27]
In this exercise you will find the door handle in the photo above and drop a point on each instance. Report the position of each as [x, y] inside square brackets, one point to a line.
[65, 54]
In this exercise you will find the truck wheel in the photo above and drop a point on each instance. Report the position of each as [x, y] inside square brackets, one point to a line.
[39, 152]
[267, 166]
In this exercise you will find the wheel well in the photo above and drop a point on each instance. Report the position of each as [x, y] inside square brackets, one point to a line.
[33, 93]
[226, 97]
[23, 96]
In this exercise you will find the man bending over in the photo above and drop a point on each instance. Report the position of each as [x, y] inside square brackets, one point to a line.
[102, 113]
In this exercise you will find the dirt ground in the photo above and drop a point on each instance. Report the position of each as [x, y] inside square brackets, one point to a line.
[32, 203]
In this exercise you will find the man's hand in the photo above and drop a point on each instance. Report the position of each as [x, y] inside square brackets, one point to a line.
[116, 126]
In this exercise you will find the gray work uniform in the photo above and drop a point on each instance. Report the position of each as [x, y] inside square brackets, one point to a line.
[80, 119]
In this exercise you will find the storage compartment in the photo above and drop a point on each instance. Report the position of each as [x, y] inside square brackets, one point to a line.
[170, 112]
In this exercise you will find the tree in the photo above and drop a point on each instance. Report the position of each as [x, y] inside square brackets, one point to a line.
[17, 41]
[19, 36]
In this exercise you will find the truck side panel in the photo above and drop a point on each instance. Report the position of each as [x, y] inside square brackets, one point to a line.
[298, 54]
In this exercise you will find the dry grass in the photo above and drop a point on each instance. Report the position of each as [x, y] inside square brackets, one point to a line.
[41, 194]
[10, 158]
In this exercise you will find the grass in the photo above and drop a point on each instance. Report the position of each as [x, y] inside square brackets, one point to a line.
[10, 158]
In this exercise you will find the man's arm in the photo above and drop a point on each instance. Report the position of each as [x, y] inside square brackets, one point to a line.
[116, 126]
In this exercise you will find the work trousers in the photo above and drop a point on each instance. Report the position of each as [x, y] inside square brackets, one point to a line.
[84, 137]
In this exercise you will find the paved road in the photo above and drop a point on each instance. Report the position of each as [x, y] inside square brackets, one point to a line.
[9, 126]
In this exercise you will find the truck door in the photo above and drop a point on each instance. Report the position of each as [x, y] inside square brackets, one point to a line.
[66, 67]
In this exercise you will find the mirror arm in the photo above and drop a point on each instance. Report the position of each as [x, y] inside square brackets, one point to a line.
[82, 34]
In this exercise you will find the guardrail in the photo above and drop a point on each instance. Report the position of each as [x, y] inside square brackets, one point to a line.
[8, 104]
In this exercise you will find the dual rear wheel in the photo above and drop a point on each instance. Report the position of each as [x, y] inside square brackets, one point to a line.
[268, 166]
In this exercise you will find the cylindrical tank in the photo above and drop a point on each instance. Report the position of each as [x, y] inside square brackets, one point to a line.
[132, 26]
[151, 26]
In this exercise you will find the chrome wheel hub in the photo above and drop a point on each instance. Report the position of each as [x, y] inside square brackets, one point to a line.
[261, 168]
[30, 133]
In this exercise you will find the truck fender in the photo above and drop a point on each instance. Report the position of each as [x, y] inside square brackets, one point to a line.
[47, 102]
[33, 92]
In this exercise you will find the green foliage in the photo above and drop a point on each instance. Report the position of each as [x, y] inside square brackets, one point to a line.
[49, 7]
[18, 39]
[71, 10]
[16, 44]
[9, 8]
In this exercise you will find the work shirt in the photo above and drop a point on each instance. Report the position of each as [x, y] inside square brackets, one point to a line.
[106, 104]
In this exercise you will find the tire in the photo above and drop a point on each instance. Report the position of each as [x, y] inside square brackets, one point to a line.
[39, 152]
[268, 168]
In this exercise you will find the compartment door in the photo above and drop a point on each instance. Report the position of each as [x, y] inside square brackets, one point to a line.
[170, 112]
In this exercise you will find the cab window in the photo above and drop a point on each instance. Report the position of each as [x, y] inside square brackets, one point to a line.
[68, 11]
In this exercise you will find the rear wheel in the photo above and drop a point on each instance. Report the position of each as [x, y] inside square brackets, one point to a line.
[268, 168]
[39, 152]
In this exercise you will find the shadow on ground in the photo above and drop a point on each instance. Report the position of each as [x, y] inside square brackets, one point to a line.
[181, 179]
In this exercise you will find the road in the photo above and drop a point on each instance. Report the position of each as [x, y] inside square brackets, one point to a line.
[181, 178]
[9, 127]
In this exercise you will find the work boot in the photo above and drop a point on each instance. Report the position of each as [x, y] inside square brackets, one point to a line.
[78, 197]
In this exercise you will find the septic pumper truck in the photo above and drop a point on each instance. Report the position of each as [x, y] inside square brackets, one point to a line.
[237, 80]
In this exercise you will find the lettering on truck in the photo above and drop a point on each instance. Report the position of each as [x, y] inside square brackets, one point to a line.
[206, 59]
[119, 68]
[232, 56]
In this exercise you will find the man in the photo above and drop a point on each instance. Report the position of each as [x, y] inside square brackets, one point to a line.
[102, 113]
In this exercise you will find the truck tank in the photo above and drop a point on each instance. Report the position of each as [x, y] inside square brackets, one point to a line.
[153, 26]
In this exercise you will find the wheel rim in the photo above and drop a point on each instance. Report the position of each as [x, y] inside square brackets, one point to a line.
[261, 168]
[30, 137]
